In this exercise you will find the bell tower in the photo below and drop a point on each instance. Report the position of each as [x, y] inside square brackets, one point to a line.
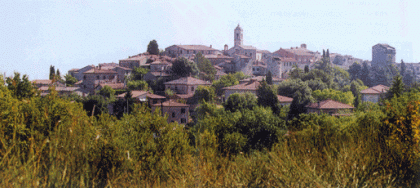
[239, 36]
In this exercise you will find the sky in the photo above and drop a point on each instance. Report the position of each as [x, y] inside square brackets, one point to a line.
[76, 33]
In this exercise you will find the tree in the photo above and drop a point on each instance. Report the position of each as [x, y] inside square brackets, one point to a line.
[204, 93]
[341, 77]
[306, 69]
[205, 66]
[182, 67]
[20, 88]
[301, 94]
[107, 92]
[240, 101]
[224, 81]
[365, 75]
[153, 48]
[138, 73]
[324, 64]
[58, 75]
[267, 97]
[403, 68]
[296, 73]
[343, 97]
[70, 80]
[52, 72]
[355, 71]
[397, 88]
[137, 85]
[269, 78]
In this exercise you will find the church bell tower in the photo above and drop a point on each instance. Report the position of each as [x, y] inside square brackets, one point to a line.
[239, 37]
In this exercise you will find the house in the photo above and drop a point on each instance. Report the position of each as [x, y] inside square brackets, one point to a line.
[134, 61]
[330, 107]
[374, 93]
[219, 72]
[122, 73]
[115, 86]
[185, 85]
[302, 55]
[92, 78]
[41, 83]
[259, 68]
[216, 59]
[284, 100]
[78, 73]
[174, 110]
[137, 95]
[189, 50]
[160, 66]
[152, 76]
[276, 81]
[251, 86]
[154, 99]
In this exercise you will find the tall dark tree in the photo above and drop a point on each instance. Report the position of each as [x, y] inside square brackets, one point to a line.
[397, 88]
[403, 68]
[355, 71]
[267, 97]
[52, 72]
[269, 78]
[153, 48]
[328, 53]
[306, 69]
[365, 75]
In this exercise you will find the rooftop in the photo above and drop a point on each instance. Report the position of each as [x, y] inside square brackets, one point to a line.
[251, 85]
[195, 47]
[170, 103]
[188, 81]
[134, 94]
[375, 90]
[284, 99]
[113, 85]
[329, 104]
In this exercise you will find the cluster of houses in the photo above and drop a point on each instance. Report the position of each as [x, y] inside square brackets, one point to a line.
[248, 59]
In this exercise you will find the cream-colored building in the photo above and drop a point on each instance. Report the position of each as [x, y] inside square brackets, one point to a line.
[373, 94]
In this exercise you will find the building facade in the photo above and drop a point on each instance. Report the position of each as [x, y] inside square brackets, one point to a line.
[382, 54]
[189, 51]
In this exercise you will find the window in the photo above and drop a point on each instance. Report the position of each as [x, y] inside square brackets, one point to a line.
[194, 51]
[104, 77]
[250, 54]
[183, 120]
[173, 114]
[253, 69]
[97, 77]
[192, 88]
[258, 69]
[154, 101]
[182, 110]
[84, 77]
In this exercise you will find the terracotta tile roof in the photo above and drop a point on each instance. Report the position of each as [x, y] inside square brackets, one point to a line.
[47, 82]
[252, 86]
[113, 85]
[243, 56]
[135, 58]
[188, 81]
[124, 68]
[196, 47]
[170, 103]
[74, 70]
[154, 96]
[158, 62]
[260, 78]
[329, 104]
[297, 51]
[159, 74]
[284, 99]
[100, 71]
[217, 56]
[287, 59]
[375, 90]
[248, 47]
[59, 88]
[134, 94]
[264, 51]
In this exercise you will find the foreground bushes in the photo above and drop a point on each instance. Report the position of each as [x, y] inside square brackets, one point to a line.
[52, 142]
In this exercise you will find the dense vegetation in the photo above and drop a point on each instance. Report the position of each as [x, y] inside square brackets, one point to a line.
[52, 141]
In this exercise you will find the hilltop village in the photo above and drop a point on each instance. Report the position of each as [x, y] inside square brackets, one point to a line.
[195, 116]
[182, 69]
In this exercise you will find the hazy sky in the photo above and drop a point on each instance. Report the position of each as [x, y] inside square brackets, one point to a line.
[76, 33]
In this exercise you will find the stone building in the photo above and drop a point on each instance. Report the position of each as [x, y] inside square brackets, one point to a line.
[122, 73]
[329, 107]
[382, 54]
[78, 73]
[185, 85]
[373, 94]
[302, 55]
[96, 76]
[217, 59]
[189, 51]
[134, 61]
[174, 110]
[251, 86]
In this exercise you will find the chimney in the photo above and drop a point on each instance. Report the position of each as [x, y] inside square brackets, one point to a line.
[303, 46]
[211, 46]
